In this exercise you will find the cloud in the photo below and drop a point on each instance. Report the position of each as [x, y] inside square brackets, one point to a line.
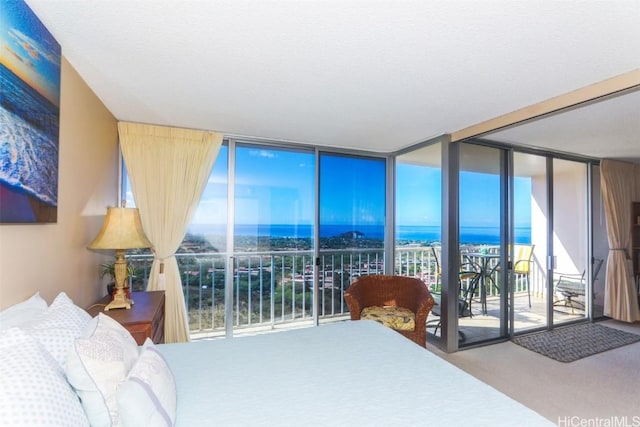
[34, 49]
[30, 50]
[263, 153]
[18, 57]
[217, 179]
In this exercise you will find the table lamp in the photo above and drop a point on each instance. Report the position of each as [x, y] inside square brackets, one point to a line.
[120, 231]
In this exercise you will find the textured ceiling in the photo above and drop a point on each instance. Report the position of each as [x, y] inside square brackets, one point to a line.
[373, 75]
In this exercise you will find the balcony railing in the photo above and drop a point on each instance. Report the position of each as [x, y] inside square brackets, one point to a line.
[275, 288]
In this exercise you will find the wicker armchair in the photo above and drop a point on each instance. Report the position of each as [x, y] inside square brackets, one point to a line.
[396, 291]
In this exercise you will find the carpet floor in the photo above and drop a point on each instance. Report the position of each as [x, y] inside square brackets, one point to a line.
[570, 343]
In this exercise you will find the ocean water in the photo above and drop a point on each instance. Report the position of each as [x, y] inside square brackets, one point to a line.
[477, 235]
[28, 139]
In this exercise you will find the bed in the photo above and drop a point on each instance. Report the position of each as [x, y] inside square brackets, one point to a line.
[344, 373]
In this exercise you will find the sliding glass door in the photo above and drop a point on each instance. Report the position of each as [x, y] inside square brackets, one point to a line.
[281, 232]
[482, 212]
[524, 242]
[352, 219]
[418, 222]
[530, 209]
[270, 273]
[570, 266]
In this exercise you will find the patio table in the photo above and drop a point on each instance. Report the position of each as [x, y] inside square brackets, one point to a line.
[487, 269]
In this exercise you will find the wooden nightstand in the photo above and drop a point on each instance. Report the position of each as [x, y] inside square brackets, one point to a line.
[144, 319]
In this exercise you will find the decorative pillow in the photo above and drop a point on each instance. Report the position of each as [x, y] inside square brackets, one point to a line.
[148, 396]
[58, 327]
[398, 318]
[33, 389]
[23, 312]
[97, 364]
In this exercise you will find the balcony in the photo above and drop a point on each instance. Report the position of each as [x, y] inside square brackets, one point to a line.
[275, 289]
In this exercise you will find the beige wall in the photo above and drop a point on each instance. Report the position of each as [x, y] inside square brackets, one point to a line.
[53, 257]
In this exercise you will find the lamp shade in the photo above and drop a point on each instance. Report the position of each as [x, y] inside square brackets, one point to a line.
[121, 229]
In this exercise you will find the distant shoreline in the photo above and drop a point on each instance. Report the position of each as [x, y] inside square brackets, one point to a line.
[406, 234]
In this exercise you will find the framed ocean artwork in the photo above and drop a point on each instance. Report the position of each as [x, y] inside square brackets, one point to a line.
[29, 117]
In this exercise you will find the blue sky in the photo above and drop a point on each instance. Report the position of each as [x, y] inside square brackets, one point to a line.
[277, 187]
[352, 190]
[418, 195]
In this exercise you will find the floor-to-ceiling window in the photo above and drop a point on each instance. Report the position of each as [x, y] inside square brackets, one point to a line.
[418, 220]
[352, 220]
[278, 236]
[203, 275]
[282, 231]
[531, 225]
[273, 219]
[418, 213]
[570, 238]
[481, 289]
[519, 214]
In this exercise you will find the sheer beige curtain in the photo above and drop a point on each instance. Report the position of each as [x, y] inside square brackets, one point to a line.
[168, 169]
[618, 182]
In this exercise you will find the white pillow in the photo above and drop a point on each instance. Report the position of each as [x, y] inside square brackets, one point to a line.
[97, 364]
[58, 327]
[148, 396]
[23, 312]
[33, 389]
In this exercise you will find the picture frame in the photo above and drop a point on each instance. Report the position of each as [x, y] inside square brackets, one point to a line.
[29, 117]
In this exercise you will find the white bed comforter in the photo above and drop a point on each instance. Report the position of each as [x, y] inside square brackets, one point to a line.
[342, 374]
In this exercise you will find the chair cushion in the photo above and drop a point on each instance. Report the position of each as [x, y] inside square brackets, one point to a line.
[398, 318]
[571, 289]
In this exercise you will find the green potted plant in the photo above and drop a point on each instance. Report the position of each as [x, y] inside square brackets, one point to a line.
[107, 269]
